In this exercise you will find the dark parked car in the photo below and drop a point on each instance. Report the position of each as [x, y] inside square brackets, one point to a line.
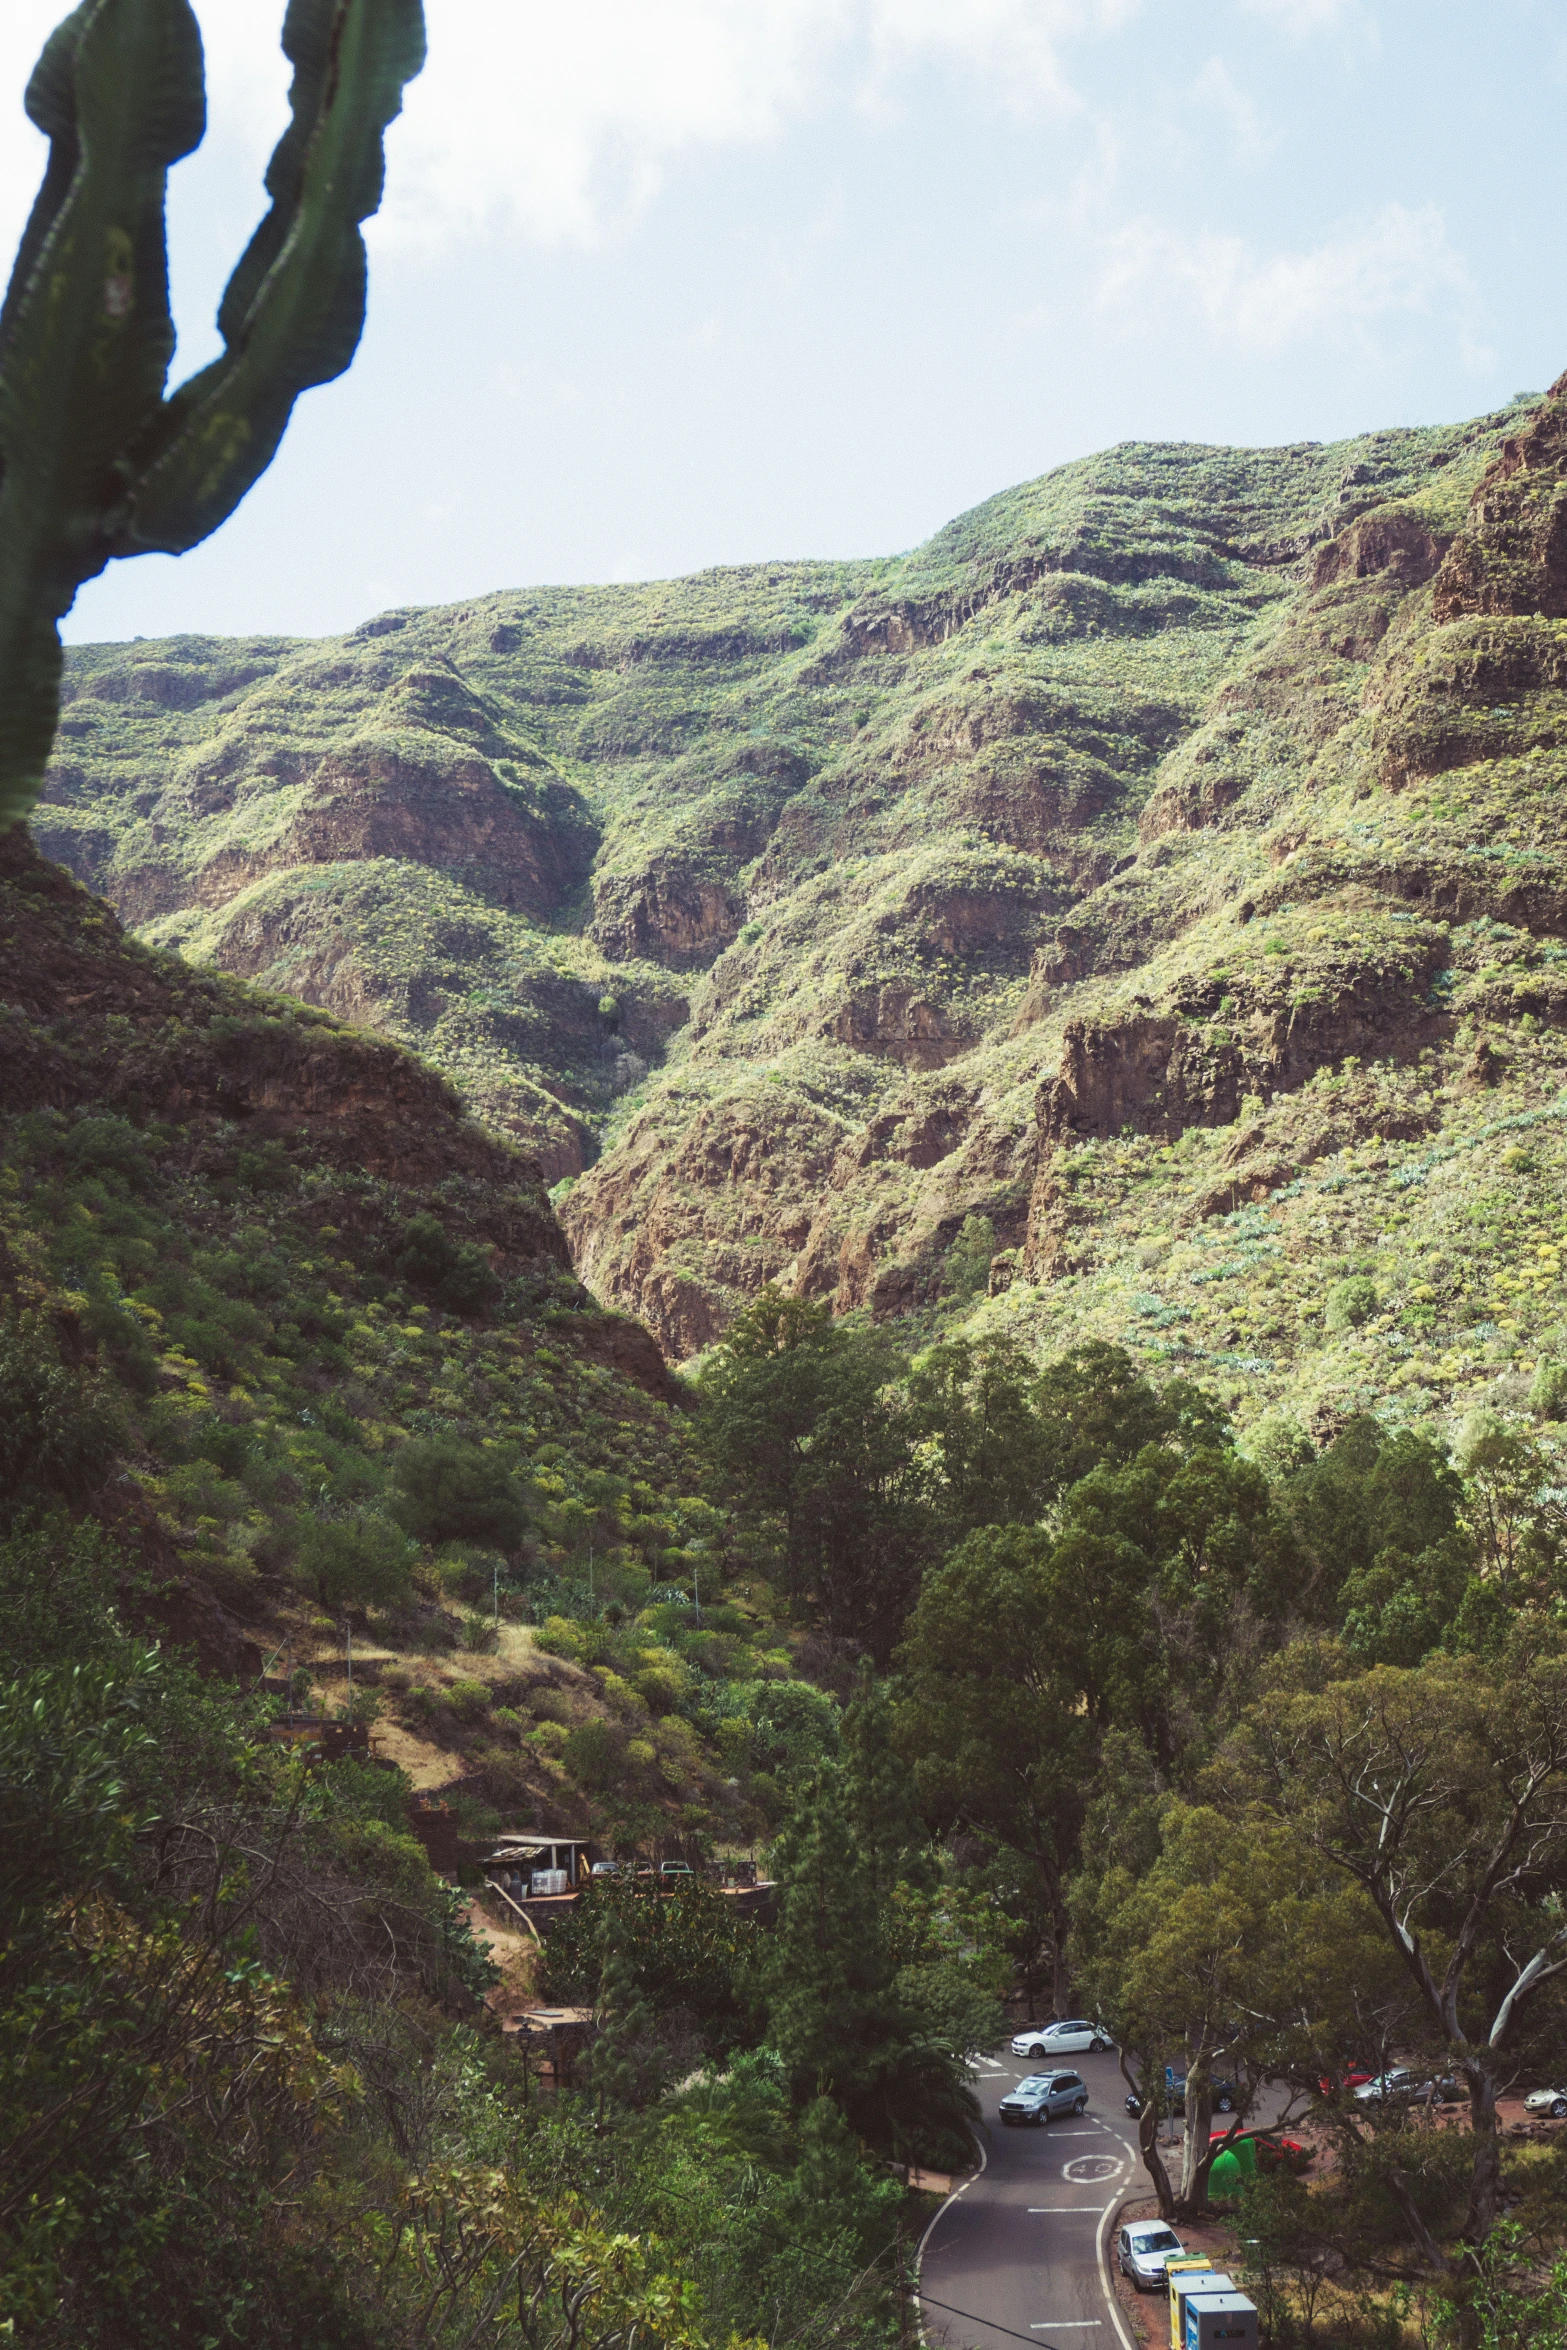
[1172, 2097]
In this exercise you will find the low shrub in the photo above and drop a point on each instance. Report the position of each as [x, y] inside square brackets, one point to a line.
[1350, 1302]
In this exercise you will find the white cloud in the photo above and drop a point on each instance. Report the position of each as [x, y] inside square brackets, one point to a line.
[562, 122]
[1398, 262]
[1300, 17]
[1216, 88]
[1015, 47]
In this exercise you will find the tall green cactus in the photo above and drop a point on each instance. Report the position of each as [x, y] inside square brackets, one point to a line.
[94, 461]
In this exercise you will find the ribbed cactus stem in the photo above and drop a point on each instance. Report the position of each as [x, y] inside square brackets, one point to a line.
[94, 461]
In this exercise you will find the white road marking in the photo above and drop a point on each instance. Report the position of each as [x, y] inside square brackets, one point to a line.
[1064, 2325]
[1049, 2210]
[937, 2218]
[1087, 2170]
[1101, 2246]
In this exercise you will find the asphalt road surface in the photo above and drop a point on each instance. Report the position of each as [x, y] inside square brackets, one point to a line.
[1014, 2256]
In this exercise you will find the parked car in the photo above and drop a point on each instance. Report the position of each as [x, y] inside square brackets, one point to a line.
[1172, 2097]
[1403, 2083]
[1142, 2250]
[1274, 2153]
[1551, 2101]
[1064, 2039]
[1042, 2095]
[605, 1868]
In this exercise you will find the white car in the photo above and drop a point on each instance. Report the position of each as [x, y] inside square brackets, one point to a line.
[1066, 2039]
[1404, 2085]
[1142, 2250]
[1551, 2101]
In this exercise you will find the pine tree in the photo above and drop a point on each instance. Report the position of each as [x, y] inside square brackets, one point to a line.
[624, 2050]
[878, 1793]
[834, 2016]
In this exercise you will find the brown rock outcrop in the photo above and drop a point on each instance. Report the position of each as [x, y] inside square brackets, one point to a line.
[669, 912]
[1387, 539]
[900, 1024]
[1512, 556]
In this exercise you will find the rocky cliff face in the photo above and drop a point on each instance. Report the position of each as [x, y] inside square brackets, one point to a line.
[1164, 829]
[91, 1023]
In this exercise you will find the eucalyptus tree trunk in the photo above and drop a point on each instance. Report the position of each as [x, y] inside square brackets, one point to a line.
[1148, 2143]
[1195, 2163]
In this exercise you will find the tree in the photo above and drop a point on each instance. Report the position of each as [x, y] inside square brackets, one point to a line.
[58, 1431]
[878, 1793]
[834, 2014]
[802, 1420]
[989, 1454]
[1097, 1408]
[361, 1562]
[625, 2063]
[448, 1491]
[1225, 1943]
[94, 462]
[989, 1719]
[1378, 1514]
[1441, 1793]
[1513, 1508]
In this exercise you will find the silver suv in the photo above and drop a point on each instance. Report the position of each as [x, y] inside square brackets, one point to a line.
[1043, 2095]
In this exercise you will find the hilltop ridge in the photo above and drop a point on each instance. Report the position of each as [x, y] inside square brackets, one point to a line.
[1125, 915]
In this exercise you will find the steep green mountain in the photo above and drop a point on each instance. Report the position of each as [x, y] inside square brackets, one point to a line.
[1139, 912]
[301, 1339]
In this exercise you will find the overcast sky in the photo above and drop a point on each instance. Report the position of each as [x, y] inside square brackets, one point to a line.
[664, 283]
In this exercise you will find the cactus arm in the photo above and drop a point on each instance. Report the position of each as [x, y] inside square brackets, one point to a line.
[50, 104]
[94, 462]
[294, 310]
[88, 334]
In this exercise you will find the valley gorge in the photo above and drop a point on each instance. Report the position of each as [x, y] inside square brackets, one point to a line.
[1158, 875]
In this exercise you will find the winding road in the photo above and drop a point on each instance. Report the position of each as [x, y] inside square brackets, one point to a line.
[1014, 2255]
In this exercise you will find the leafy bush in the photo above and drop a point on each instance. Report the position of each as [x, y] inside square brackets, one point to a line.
[1548, 1390]
[451, 1491]
[595, 1755]
[361, 1561]
[1350, 1302]
[468, 1700]
[455, 1273]
[58, 1430]
[968, 1259]
[479, 1633]
[109, 1147]
[686, 1950]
